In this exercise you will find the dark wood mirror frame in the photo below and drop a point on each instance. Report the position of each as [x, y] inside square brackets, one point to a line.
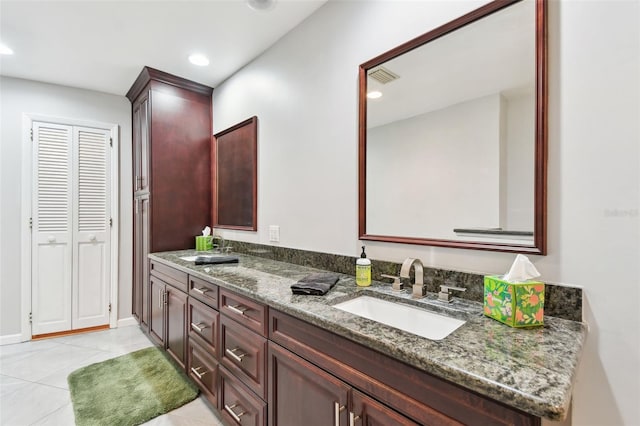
[234, 160]
[540, 178]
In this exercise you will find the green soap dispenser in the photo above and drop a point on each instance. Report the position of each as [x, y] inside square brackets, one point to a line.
[363, 270]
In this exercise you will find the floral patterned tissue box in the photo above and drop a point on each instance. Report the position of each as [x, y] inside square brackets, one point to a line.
[515, 304]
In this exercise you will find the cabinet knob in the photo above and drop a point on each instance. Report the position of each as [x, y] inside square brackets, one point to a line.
[51, 238]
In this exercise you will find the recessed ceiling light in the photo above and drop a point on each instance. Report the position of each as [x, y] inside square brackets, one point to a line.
[5, 50]
[198, 59]
[374, 94]
[261, 4]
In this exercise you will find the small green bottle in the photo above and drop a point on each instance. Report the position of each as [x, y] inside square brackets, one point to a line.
[363, 270]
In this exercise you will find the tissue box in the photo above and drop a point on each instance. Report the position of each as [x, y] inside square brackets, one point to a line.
[204, 243]
[515, 304]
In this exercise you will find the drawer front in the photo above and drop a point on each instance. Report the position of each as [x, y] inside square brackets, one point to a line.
[203, 322]
[203, 369]
[203, 291]
[238, 405]
[171, 276]
[244, 352]
[252, 315]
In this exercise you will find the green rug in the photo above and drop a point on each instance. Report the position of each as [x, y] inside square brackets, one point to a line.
[128, 390]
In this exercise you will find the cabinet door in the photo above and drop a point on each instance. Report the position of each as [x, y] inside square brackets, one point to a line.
[140, 261]
[141, 146]
[302, 394]
[366, 411]
[176, 323]
[157, 309]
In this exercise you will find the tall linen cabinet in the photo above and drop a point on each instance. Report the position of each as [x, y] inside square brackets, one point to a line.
[171, 170]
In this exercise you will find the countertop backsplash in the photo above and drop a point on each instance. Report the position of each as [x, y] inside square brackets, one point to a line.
[560, 301]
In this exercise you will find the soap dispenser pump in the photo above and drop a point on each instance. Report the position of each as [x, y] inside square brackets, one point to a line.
[363, 270]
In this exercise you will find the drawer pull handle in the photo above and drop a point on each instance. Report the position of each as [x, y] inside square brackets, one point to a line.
[238, 309]
[235, 416]
[352, 419]
[200, 327]
[232, 354]
[197, 372]
[337, 408]
[200, 290]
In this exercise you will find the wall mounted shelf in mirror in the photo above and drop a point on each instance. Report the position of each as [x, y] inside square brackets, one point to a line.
[453, 134]
[234, 158]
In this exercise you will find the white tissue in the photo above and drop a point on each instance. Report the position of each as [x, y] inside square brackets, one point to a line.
[521, 270]
[206, 231]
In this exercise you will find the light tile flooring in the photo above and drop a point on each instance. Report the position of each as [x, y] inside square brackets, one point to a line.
[33, 378]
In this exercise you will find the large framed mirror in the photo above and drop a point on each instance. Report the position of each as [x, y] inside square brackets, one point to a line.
[453, 134]
[234, 159]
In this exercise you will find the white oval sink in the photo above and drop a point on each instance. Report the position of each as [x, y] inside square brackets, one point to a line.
[405, 317]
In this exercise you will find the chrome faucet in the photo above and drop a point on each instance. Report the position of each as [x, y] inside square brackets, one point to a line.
[419, 290]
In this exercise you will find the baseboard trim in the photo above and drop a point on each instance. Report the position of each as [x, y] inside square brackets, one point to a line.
[10, 339]
[126, 322]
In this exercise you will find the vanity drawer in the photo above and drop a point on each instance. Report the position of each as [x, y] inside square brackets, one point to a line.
[204, 291]
[244, 353]
[203, 369]
[203, 322]
[252, 315]
[238, 405]
[177, 279]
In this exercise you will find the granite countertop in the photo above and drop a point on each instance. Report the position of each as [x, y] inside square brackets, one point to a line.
[530, 369]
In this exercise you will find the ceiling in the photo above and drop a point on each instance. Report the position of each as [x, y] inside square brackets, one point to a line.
[103, 44]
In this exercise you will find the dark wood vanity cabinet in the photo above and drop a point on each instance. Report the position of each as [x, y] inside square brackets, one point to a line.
[295, 382]
[171, 120]
[203, 325]
[309, 362]
[168, 310]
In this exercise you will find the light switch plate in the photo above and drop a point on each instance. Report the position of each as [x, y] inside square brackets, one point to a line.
[274, 233]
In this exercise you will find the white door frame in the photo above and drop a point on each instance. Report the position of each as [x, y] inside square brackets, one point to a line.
[26, 205]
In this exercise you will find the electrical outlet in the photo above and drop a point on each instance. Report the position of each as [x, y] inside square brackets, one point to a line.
[274, 233]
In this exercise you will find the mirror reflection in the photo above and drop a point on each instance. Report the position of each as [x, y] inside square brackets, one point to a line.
[451, 136]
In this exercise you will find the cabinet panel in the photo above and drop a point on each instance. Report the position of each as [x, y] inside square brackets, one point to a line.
[140, 270]
[302, 394]
[176, 324]
[203, 291]
[238, 405]
[203, 369]
[243, 352]
[169, 275]
[366, 411]
[251, 314]
[203, 322]
[157, 310]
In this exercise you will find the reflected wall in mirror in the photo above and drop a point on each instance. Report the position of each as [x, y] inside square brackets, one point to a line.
[234, 157]
[453, 134]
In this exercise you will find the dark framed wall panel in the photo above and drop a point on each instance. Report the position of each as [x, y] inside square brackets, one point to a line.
[234, 159]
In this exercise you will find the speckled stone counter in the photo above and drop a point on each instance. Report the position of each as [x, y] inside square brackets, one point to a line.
[530, 369]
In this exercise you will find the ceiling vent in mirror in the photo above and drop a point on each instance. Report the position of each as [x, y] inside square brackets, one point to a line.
[383, 75]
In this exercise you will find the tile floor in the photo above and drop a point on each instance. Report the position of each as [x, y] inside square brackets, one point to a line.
[33, 378]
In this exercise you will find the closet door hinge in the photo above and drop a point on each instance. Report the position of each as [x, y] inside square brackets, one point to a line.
[109, 307]
[31, 135]
[30, 222]
[30, 317]
[111, 142]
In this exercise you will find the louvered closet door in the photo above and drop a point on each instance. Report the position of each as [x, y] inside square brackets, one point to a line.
[91, 254]
[52, 228]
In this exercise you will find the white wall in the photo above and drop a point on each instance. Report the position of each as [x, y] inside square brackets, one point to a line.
[304, 91]
[24, 96]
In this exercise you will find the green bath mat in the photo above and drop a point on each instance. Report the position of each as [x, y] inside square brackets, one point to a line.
[128, 390]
